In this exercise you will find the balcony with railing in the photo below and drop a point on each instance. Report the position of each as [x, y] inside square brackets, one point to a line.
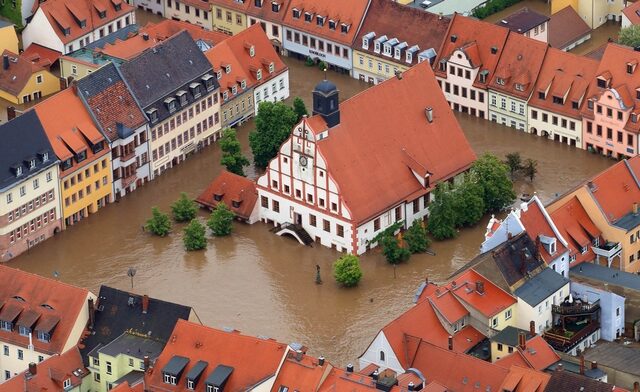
[608, 249]
[576, 308]
[565, 339]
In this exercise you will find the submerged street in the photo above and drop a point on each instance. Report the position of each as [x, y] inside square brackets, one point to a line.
[262, 284]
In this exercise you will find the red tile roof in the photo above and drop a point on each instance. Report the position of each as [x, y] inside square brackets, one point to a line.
[563, 74]
[399, 21]
[476, 39]
[521, 379]
[457, 371]
[613, 67]
[448, 306]
[266, 11]
[515, 358]
[341, 380]
[539, 354]
[157, 33]
[64, 14]
[14, 79]
[232, 189]
[253, 360]
[235, 51]
[632, 12]
[41, 52]
[57, 304]
[493, 301]
[616, 189]
[68, 130]
[577, 228]
[439, 146]
[349, 12]
[300, 372]
[566, 27]
[50, 374]
[519, 66]
[125, 387]
[536, 224]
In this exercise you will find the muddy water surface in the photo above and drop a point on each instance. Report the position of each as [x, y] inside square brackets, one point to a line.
[262, 284]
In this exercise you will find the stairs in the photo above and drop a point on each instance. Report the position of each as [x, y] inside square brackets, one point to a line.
[296, 231]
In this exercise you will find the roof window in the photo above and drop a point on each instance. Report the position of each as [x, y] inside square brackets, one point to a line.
[332, 24]
[296, 13]
[344, 28]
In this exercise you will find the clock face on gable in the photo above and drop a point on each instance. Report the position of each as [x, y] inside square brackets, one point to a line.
[303, 161]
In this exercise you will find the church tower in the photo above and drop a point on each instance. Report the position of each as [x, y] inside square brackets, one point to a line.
[326, 103]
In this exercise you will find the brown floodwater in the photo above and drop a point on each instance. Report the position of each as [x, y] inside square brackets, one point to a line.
[262, 284]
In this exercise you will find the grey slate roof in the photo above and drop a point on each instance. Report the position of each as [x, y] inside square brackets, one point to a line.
[523, 20]
[133, 377]
[628, 222]
[120, 34]
[541, 286]
[117, 316]
[615, 356]
[133, 345]
[165, 69]
[5, 23]
[607, 275]
[22, 139]
[509, 336]
[98, 81]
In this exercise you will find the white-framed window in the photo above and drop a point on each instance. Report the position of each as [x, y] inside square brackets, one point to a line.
[9, 198]
[272, 67]
[66, 383]
[36, 183]
[259, 74]
[494, 322]
[507, 314]
[227, 69]
[23, 190]
[39, 79]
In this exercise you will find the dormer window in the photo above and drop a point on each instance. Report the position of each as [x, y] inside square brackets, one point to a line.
[320, 20]
[542, 95]
[377, 47]
[296, 13]
[259, 74]
[182, 96]
[81, 156]
[32, 164]
[102, 14]
[308, 16]
[252, 51]
[558, 100]
[519, 87]
[258, 3]
[500, 81]
[6, 325]
[171, 104]
[219, 74]
[66, 164]
[387, 50]
[344, 28]
[44, 336]
[575, 105]
[365, 43]
[66, 384]
[243, 84]
[483, 76]
[443, 65]
[153, 115]
[271, 67]
[631, 67]
[24, 331]
[208, 82]
[397, 53]
[602, 82]
[235, 204]
[118, 7]
[409, 57]
[275, 7]
[634, 118]
[332, 24]
[96, 148]
[225, 95]
[45, 156]
[234, 90]
[66, 31]
[227, 69]
[584, 249]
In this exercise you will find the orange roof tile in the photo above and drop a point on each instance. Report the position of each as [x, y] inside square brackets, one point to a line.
[632, 12]
[24, 291]
[365, 119]
[341, 380]
[266, 11]
[515, 358]
[152, 34]
[566, 27]
[253, 360]
[14, 79]
[539, 354]
[616, 189]
[577, 228]
[349, 12]
[613, 67]
[519, 66]
[67, 14]
[42, 52]
[50, 374]
[125, 387]
[232, 189]
[478, 40]
[457, 371]
[67, 129]
[536, 224]
[563, 73]
[448, 306]
[300, 372]
[521, 379]
[493, 301]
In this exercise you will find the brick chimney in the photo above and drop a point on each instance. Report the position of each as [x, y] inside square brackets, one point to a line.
[480, 287]
[147, 363]
[636, 386]
[522, 340]
[92, 313]
[33, 368]
[581, 355]
[594, 365]
[532, 328]
[450, 343]
[145, 304]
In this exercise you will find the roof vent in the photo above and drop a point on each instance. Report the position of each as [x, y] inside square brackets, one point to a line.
[494, 50]
[145, 36]
[349, 368]
[454, 38]
[429, 113]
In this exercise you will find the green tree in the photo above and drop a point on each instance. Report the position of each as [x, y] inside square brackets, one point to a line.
[346, 270]
[194, 236]
[159, 223]
[184, 209]
[442, 215]
[630, 36]
[514, 162]
[299, 107]
[392, 250]
[530, 168]
[493, 175]
[468, 202]
[416, 237]
[232, 157]
[221, 220]
[273, 126]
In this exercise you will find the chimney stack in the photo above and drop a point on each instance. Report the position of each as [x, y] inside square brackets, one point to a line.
[560, 367]
[429, 113]
[349, 368]
[145, 36]
[480, 287]
[146, 362]
[5, 62]
[522, 340]
[532, 328]
[145, 304]
[399, 74]
[375, 375]
[92, 313]
[426, 280]
[33, 368]
[411, 386]
[299, 355]
[581, 355]
[321, 361]
[636, 386]
[11, 113]
[594, 365]
[450, 343]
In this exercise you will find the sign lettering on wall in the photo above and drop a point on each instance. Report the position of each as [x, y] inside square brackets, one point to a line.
[319, 54]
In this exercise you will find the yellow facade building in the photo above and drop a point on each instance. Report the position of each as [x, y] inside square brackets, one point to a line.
[594, 12]
[24, 80]
[85, 168]
[8, 37]
[229, 16]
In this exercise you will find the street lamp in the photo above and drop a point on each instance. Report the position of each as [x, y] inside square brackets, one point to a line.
[131, 273]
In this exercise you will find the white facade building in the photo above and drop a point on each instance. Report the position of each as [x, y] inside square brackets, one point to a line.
[275, 89]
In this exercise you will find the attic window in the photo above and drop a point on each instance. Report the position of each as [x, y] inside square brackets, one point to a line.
[102, 14]
[243, 84]
[365, 43]
[443, 65]
[18, 171]
[271, 67]
[66, 31]
[66, 383]
[225, 95]
[519, 87]
[219, 74]
[307, 16]
[217, 197]
[117, 7]
[296, 13]
[344, 28]
[541, 95]
[227, 69]
[208, 81]
[258, 3]
[631, 67]
[234, 90]
[153, 115]
[195, 90]
[275, 7]
[320, 20]
[81, 156]
[500, 81]
[409, 58]
[171, 104]
[32, 164]
[182, 96]
[252, 51]
[235, 204]
[483, 76]
[332, 24]
[259, 74]
[602, 83]
[47, 306]
[575, 105]
[634, 118]
[45, 156]
[558, 100]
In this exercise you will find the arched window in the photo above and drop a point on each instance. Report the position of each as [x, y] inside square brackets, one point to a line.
[382, 356]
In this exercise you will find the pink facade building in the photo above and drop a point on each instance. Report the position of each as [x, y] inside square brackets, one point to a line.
[610, 118]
